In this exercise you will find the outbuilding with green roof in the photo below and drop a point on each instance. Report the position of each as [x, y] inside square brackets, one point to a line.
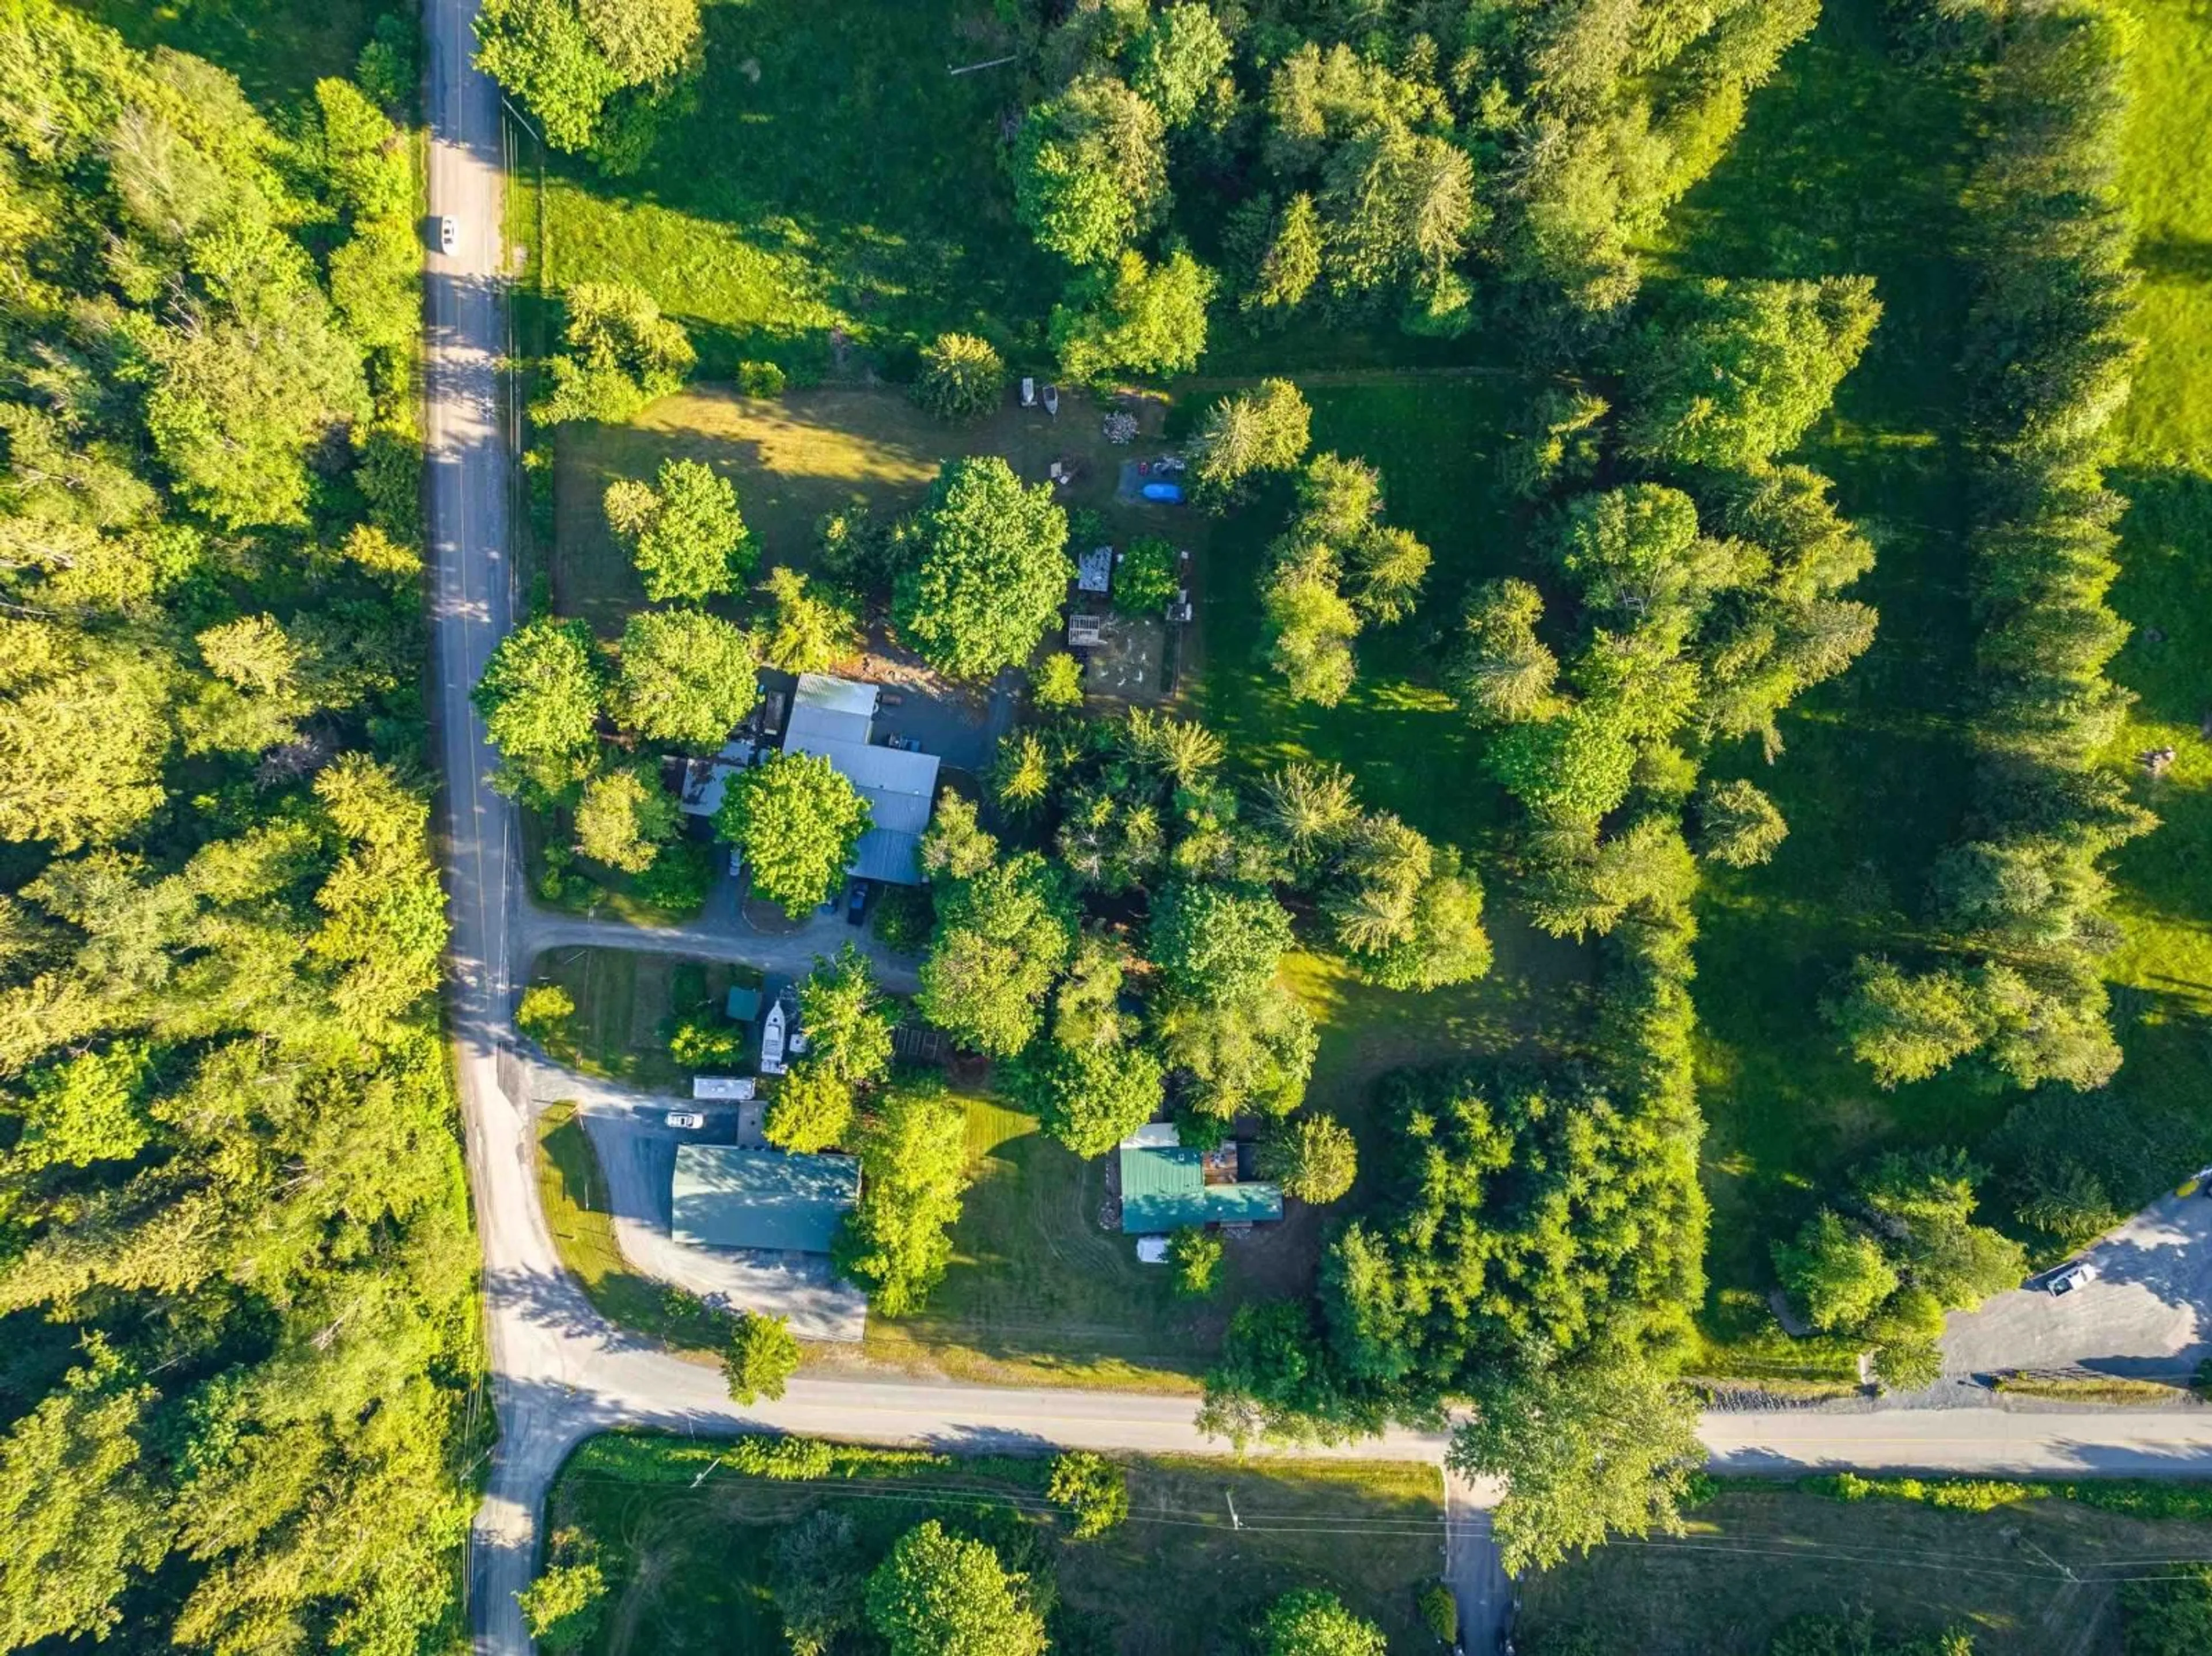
[1165, 1187]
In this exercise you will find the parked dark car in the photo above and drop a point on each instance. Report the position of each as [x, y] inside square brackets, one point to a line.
[856, 902]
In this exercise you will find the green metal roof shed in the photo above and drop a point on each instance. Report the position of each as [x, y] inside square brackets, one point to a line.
[743, 1005]
[726, 1196]
[1164, 1188]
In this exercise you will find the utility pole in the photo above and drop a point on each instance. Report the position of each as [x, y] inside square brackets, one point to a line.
[1235, 1522]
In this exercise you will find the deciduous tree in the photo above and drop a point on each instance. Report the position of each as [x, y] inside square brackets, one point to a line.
[797, 820]
[684, 536]
[540, 697]
[993, 571]
[1311, 1623]
[809, 629]
[761, 1356]
[1092, 1491]
[684, 678]
[1132, 316]
[939, 1594]
[1089, 170]
[914, 1167]
[623, 819]
[1594, 1448]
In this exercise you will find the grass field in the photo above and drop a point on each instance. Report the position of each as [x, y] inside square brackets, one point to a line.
[832, 175]
[575, 1194]
[687, 1567]
[1847, 164]
[624, 1001]
[794, 457]
[1757, 1555]
[2164, 882]
[1038, 1294]
[1842, 166]
[1435, 439]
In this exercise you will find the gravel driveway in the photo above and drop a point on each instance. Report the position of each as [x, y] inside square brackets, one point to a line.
[637, 1153]
[2147, 1316]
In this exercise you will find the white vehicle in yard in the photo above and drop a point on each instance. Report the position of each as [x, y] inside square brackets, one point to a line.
[2071, 1278]
[685, 1118]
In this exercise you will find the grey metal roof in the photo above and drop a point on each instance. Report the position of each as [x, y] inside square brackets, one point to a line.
[1094, 570]
[899, 787]
[888, 855]
[827, 724]
[873, 770]
[831, 694]
[726, 1196]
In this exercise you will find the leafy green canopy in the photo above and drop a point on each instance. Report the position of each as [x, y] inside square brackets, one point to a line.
[993, 570]
[1527, 1217]
[540, 697]
[914, 1167]
[941, 1594]
[682, 529]
[797, 820]
[683, 678]
[1601, 1446]
[234, 1257]
[564, 59]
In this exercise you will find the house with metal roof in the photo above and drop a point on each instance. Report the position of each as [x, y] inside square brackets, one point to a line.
[726, 1196]
[834, 718]
[1166, 1188]
[705, 780]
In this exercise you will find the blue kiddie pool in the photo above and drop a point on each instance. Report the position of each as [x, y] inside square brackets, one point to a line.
[1169, 493]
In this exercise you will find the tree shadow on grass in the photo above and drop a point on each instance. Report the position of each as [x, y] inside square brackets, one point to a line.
[828, 141]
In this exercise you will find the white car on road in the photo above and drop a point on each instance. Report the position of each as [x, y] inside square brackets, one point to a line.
[2071, 1278]
[449, 234]
[685, 1118]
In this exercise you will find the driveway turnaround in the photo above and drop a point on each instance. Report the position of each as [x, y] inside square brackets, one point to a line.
[636, 1150]
[2145, 1315]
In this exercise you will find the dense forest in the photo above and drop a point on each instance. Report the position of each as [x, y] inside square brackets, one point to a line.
[235, 1264]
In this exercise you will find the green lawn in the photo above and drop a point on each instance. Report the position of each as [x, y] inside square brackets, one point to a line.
[574, 1192]
[2164, 967]
[625, 1002]
[2169, 189]
[793, 457]
[1038, 1294]
[1847, 164]
[1435, 439]
[687, 1566]
[832, 175]
[1758, 1555]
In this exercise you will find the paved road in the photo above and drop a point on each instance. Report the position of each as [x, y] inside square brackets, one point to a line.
[793, 954]
[559, 1371]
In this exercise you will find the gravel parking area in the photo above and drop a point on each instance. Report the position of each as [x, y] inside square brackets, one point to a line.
[2147, 1315]
[637, 1153]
